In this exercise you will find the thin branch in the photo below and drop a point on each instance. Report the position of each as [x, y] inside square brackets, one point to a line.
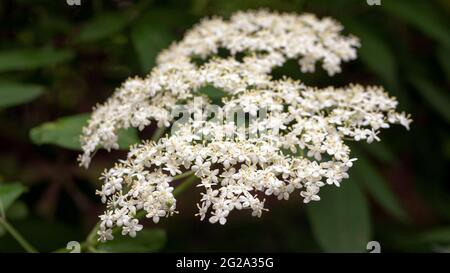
[158, 133]
[185, 185]
[91, 241]
[183, 175]
[19, 238]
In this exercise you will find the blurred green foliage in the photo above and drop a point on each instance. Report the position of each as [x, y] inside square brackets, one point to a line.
[146, 241]
[12, 94]
[66, 131]
[341, 223]
[58, 61]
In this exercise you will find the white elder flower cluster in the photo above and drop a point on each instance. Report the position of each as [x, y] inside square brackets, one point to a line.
[291, 136]
[264, 41]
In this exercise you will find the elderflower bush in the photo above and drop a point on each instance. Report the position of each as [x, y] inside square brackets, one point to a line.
[287, 136]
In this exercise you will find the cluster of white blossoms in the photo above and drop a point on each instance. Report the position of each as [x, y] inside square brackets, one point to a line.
[265, 40]
[286, 136]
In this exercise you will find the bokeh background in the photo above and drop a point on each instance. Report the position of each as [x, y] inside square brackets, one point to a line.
[57, 61]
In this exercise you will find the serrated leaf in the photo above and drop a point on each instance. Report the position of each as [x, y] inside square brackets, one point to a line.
[366, 174]
[9, 192]
[66, 131]
[433, 95]
[25, 59]
[102, 26]
[147, 240]
[12, 94]
[340, 221]
[422, 15]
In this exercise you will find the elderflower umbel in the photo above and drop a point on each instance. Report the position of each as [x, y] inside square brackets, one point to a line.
[297, 142]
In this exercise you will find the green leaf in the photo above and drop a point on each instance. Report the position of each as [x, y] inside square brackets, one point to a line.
[147, 240]
[155, 30]
[44, 235]
[446, 148]
[366, 174]
[198, 7]
[215, 94]
[66, 131]
[149, 38]
[436, 239]
[102, 26]
[169, 17]
[340, 220]
[444, 60]
[380, 151]
[9, 192]
[422, 15]
[25, 59]
[437, 235]
[375, 52]
[12, 94]
[128, 137]
[17, 211]
[433, 95]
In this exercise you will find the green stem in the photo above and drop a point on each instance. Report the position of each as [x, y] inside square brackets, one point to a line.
[93, 234]
[158, 133]
[2, 210]
[19, 238]
[183, 186]
[61, 250]
[91, 241]
[183, 175]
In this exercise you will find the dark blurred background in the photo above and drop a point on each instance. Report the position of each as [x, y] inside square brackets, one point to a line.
[58, 60]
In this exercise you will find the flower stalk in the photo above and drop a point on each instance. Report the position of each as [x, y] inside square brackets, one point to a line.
[17, 236]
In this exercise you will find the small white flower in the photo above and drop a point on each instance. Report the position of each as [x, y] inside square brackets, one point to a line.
[219, 216]
[200, 168]
[311, 193]
[131, 227]
[107, 219]
[105, 234]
